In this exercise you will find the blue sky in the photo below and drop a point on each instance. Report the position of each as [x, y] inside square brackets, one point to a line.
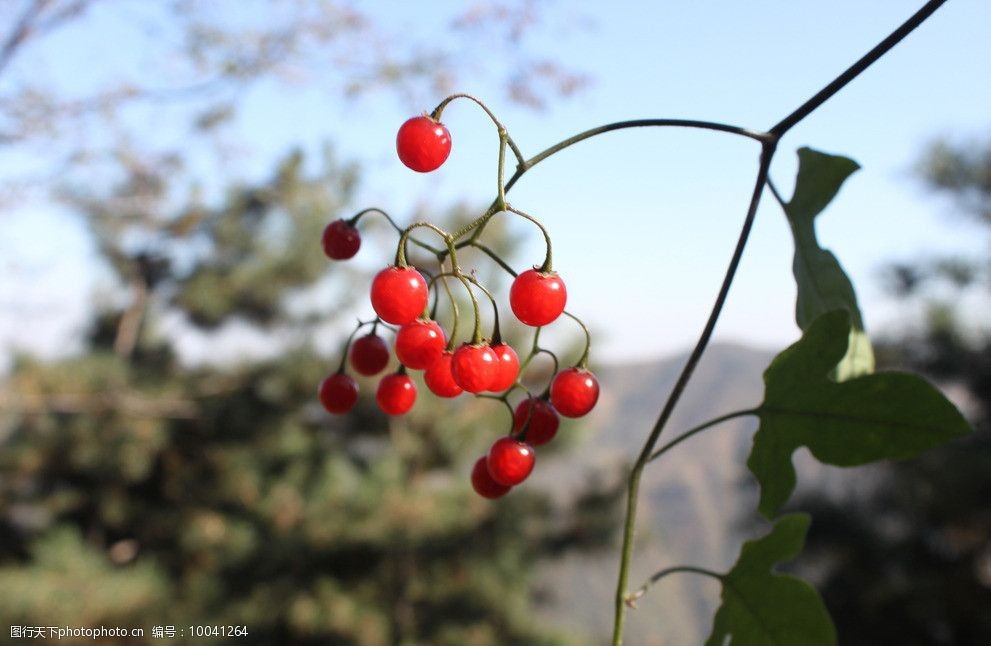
[643, 221]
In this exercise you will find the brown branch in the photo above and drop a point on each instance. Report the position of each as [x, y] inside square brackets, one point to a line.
[21, 32]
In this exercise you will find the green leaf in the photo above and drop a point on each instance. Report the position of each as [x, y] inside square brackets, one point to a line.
[761, 608]
[885, 415]
[823, 286]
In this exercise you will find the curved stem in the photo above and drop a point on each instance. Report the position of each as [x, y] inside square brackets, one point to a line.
[496, 334]
[454, 311]
[546, 267]
[436, 114]
[347, 343]
[583, 361]
[698, 429]
[353, 220]
[401, 248]
[633, 488]
[493, 255]
[631, 599]
[762, 137]
[524, 166]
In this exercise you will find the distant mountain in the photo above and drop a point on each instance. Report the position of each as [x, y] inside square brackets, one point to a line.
[692, 502]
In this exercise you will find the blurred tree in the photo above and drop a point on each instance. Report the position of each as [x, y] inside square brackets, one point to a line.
[910, 563]
[140, 489]
[138, 69]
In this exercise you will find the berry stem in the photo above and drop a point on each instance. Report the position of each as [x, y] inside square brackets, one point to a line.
[347, 343]
[476, 334]
[493, 255]
[503, 399]
[496, 334]
[353, 221]
[583, 360]
[405, 235]
[546, 267]
[436, 114]
[454, 310]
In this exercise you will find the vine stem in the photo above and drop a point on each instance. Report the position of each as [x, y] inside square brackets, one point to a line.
[633, 487]
[854, 70]
[698, 429]
[631, 599]
[769, 142]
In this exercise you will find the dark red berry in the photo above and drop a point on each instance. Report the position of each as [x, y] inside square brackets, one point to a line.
[340, 240]
[544, 421]
[396, 394]
[574, 392]
[420, 343]
[439, 379]
[537, 298]
[399, 294]
[474, 367]
[369, 354]
[510, 461]
[338, 393]
[423, 144]
[482, 482]
[508, 367]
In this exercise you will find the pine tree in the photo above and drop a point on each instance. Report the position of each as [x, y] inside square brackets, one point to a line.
[139, 488]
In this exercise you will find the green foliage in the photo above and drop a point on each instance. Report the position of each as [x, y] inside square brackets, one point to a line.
[873, 417]
[822, 284]
[761, 608]
[904, 560]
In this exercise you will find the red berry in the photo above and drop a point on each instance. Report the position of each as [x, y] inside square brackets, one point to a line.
[537, 298]
[338, 393]
[340, 240]
[474, 367]
[439, 379]
[543, 421]
[508, 367]
[396, 394]
[574, 392]
[510, 461]
[423, 144]
[369, 354]
[482, 482]
[399, 294]
[420, 343]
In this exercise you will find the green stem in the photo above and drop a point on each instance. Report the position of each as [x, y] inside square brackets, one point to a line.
[353, 220]
[436, 114]
[405, 235]
[501, 187]
[494, 256]
[631, 599]
[583, 361]
[347, 343]
[698, 429]
[633, 488]
[454, 312]
[546, 267]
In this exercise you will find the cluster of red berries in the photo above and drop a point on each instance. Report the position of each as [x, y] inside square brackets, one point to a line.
[400, 297]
